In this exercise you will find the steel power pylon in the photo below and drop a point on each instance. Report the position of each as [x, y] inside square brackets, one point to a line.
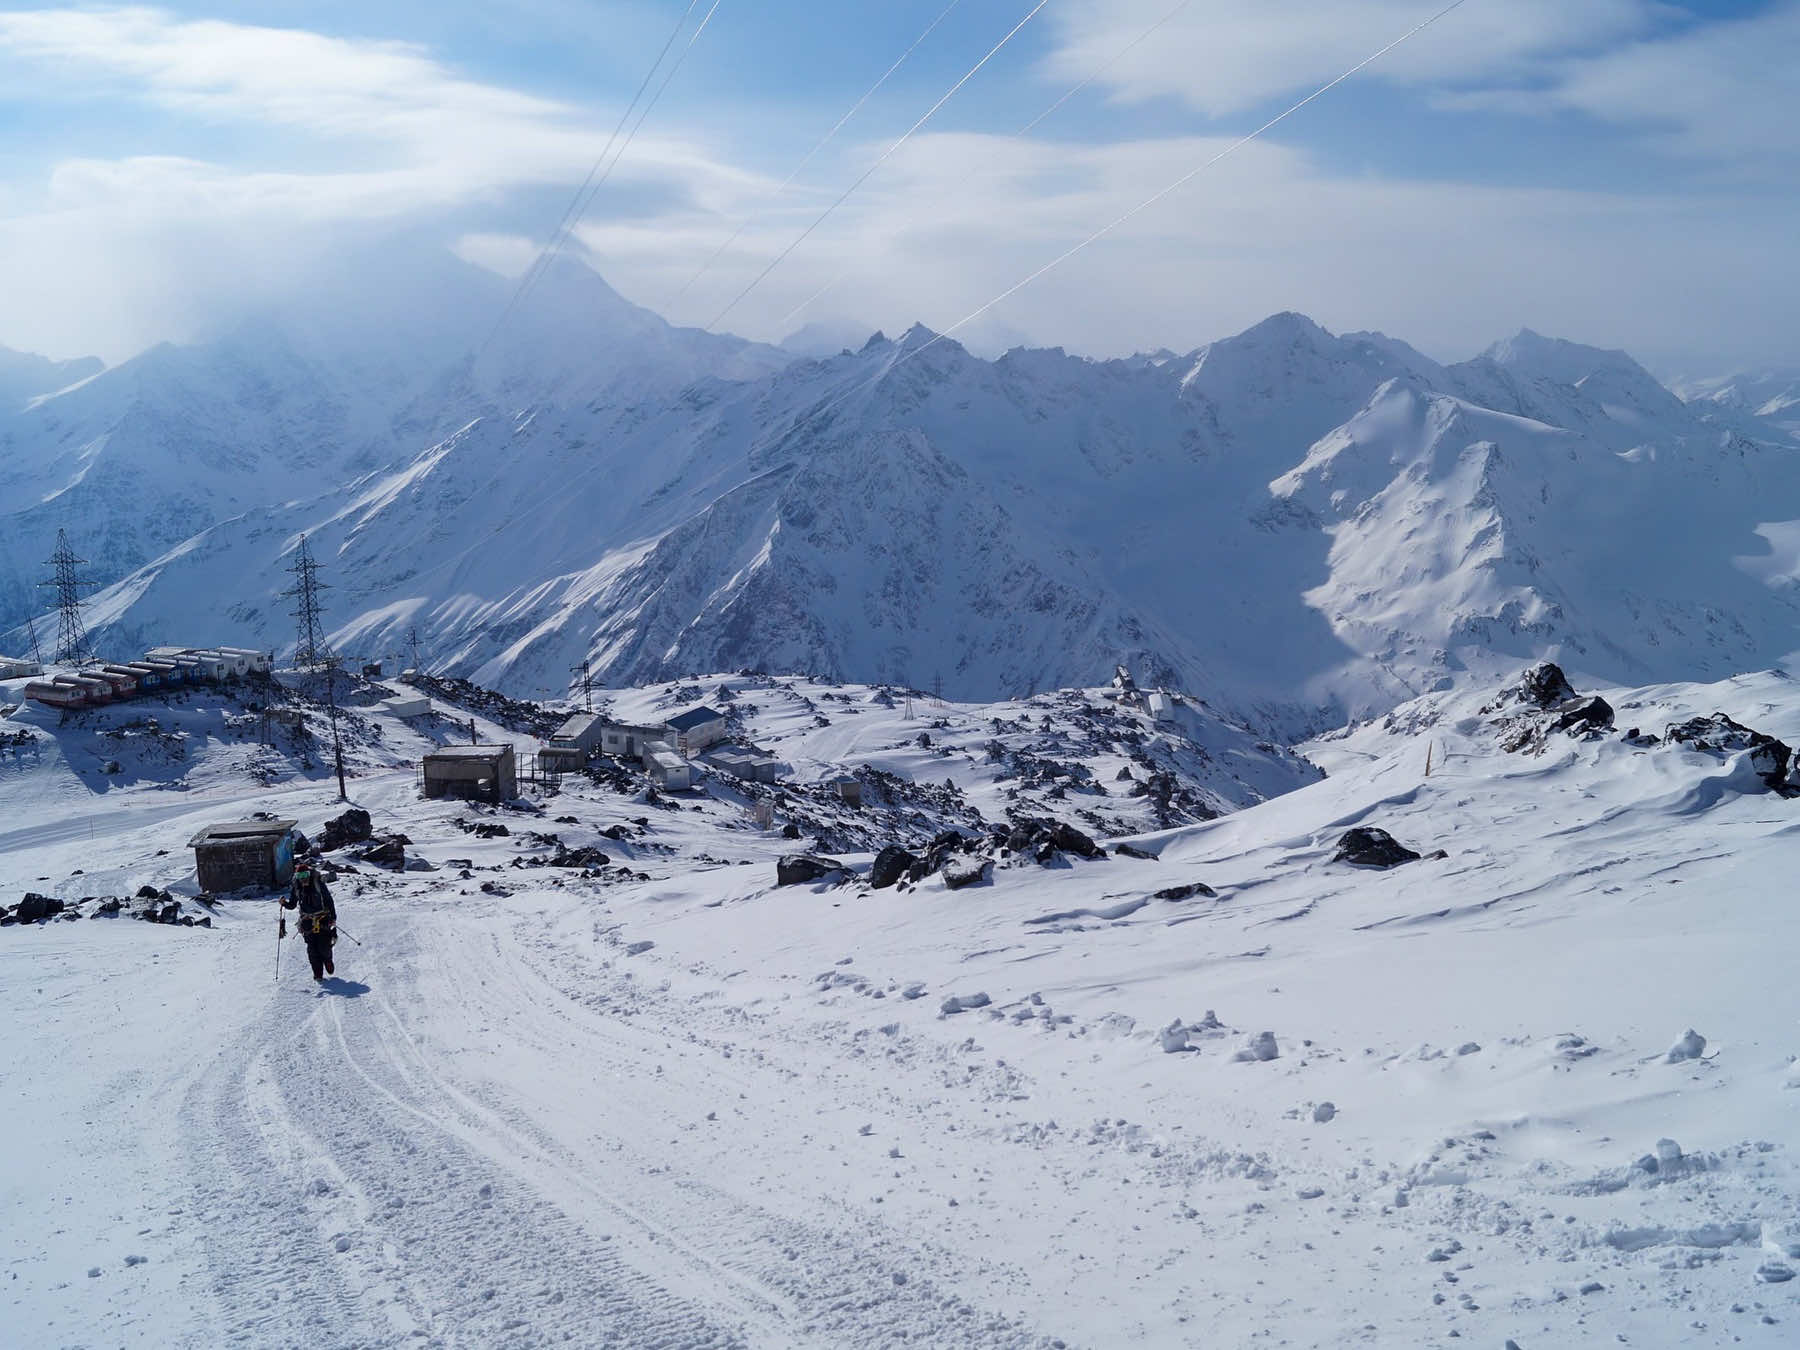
[587, 684]
[71, 635]
[312, 651]
[37, 654]
[412, 641]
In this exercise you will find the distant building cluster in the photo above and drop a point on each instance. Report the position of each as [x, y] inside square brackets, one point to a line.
[666, 750]
[96, 683]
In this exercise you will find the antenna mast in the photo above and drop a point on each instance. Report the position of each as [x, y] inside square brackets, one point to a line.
[587, 683]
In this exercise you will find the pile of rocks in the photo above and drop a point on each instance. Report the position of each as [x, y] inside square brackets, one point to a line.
[1543, 702]
[149, 905]
[1773, 761]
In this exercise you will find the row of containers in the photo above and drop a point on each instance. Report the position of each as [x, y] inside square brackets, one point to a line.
[161, 668]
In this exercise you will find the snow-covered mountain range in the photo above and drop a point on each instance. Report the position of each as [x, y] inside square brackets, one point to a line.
[1296, 525]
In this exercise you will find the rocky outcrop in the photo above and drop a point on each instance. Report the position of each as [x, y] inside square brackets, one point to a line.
[799, 869]
[1366, 846]
[1772, 760]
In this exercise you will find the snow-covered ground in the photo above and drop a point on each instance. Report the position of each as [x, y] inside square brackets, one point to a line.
[666, 1102]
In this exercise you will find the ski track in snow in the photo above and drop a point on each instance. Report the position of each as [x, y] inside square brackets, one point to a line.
[401, 1209]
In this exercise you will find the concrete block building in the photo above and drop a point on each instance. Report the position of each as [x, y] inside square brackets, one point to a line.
[477, 772]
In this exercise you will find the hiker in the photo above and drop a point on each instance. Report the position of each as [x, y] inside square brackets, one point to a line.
[318, 916]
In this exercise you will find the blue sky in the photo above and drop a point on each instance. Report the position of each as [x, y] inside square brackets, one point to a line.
[1616, 171]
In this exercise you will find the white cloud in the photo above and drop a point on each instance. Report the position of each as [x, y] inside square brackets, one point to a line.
[109, 254]
[1446, 265]
[349, 135]
[1223, 56]
[1721, 91]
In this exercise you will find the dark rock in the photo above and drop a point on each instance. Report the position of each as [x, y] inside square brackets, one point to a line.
[890, 865]
[1366, 846]
[1772, 760]
[578, 857]
[388, 853]
[617, 832]
[35, 908]
[966, 872]
[790, 831]
[1186, 891]
[148, 893]
[1585, 715]
[494, 888]
[113, 906]
[1545, 685]
[1132, 851]
[797, 869]
[352, 827]
[1071, 840]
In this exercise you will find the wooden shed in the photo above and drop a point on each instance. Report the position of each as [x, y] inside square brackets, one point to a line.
[245, 853]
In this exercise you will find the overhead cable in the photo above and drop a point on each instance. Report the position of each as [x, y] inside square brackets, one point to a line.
[1020, 134]
[823, 141]
[902, 358]
[573, 212]
[867, 173]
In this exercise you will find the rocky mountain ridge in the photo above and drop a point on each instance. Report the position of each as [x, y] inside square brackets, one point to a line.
[1300, 526]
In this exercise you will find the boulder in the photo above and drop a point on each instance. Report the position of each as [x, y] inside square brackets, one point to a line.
[1260, 1048]
[1071, 840]
[352, 827]
[35, 907]
[1590, 715]
[799, 869]
[388, 853]
[1366, 846]
[1133, 851]
[1544, 685]
[890, 865]
[966, 872]
[1186, 891]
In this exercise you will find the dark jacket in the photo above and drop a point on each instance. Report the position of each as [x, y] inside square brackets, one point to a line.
[313, 901]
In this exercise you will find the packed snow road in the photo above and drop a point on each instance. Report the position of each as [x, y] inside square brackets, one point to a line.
[441, 1146]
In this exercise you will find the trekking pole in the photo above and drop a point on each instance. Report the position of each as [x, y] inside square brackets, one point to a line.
[279, 925]
[342, 933]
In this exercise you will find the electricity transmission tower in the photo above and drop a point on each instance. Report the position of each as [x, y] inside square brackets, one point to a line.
[412, 641]
[312, 651]
[71, 635]
[587, 683]
[37, 653]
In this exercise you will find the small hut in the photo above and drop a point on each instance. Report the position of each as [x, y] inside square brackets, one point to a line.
[245, 853]
[478, 772]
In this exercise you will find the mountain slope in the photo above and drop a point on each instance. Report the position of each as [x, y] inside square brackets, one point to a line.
[1301, 526]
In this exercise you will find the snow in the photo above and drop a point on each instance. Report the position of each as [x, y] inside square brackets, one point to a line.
[669, 1103]
[602, 486]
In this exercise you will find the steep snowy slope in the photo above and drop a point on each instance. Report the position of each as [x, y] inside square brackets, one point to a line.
[24, 377]
[604, 487]
[299, 404]
[1462, 535]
